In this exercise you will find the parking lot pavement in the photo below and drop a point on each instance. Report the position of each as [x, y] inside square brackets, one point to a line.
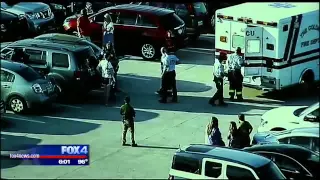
[160, 128]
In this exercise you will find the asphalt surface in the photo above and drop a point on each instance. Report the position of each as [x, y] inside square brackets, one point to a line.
[160, 128]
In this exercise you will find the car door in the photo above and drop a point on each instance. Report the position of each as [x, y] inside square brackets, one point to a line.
[237, 171]
[126, 30]
[213, 169]
[7, 80]
[38, 60]
[60, 64]
[291, 168]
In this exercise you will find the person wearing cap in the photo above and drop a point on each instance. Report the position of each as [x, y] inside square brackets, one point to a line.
[169, 75]
[107, 30]
[83, 25]
[128, 114]
[234, 64]
[244, 131]
[218, 74]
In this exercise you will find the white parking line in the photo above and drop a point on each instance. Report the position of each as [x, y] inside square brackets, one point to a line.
[193, 51]
[69, 106]
[132, 77]
[72, 119]
[24, 119]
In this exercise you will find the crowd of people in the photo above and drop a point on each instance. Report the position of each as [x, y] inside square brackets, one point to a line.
[238, 137]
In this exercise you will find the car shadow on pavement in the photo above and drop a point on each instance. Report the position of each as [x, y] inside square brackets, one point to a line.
[42, 125]
[12, 144]
[157, 147]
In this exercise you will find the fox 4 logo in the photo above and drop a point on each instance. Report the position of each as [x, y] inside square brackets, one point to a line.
[74, 149]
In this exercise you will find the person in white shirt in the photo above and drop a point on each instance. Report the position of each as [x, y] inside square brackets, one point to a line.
[235, 77]
[218, 74]
[164, 55]
[169, 75]
[106, 70]
[107, 30]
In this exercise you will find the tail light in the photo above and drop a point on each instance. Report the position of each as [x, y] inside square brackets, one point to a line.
[37, 88]
[190, 8]
[170, 34]
[77, 75]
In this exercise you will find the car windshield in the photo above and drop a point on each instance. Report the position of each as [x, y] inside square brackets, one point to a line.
[306, 110]
[29, 74]
[199, 8]
[171, 21]
[270, 171]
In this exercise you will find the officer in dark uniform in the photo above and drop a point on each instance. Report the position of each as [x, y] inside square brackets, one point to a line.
[128, 114]
[235, 77]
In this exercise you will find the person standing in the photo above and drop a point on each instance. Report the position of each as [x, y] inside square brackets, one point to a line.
[164, 55]
[107, 30]
[218, 74]
[112, 57]
[128, 114]
[169, 76]
[83, 25]
[233, 135]
[244, 131]
[107, 72]
[213, 133]
[234, 63]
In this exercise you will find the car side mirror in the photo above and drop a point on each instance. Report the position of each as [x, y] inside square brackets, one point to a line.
[310, 118]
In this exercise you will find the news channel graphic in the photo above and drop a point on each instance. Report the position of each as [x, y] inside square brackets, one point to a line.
[50, 155]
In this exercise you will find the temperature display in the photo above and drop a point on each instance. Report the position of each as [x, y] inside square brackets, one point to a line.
[83, 161]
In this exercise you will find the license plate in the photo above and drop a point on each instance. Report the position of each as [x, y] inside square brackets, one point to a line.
[200, 23]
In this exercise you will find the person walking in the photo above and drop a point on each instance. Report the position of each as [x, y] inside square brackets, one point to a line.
[213, 133]
[107, 30]
[83, 25]
[106, 70]
[234, 63]
[112, 57]
[244, 131]
[233, 135]
[128, 114]
[218, 74]
[169, 77]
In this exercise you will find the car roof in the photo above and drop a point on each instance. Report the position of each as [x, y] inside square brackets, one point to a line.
[48, 44]
[141, 9]
[227, 154]
[60, 37]
[12, 66]
[294, 151]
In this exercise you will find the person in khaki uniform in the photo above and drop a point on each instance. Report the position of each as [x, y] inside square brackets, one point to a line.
[128, 114]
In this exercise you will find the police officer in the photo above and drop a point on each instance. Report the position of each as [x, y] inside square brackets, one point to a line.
[218, 74]
[169, 76]
[235, 77]
[128, 114]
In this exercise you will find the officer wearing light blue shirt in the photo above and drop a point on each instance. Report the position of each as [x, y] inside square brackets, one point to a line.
[169, 75]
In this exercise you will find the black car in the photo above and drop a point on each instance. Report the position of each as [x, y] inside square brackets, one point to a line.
[295, 162]
[15, 27]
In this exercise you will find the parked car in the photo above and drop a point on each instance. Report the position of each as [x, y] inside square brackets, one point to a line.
[22, 87]
[290, 117]
[71, 66]
[147, 28]
[69, 39]
[40, 14]
[11, 25]
[2, 107]
[295, 162]
[306, 137]
[211, 162]
[194, 15]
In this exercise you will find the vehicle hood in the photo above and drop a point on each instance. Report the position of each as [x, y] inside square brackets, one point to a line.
[284, 113]
[25, 7]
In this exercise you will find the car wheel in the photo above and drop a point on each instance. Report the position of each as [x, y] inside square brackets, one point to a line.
[148, 51]
[17, 104]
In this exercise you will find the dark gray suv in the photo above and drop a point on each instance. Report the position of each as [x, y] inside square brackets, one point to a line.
[72, 67]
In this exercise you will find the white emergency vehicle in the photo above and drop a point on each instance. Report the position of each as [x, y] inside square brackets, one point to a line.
[280, 42]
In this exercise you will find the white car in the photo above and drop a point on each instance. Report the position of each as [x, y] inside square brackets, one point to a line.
[290, 117]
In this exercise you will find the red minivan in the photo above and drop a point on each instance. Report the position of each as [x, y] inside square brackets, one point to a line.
[139, 30]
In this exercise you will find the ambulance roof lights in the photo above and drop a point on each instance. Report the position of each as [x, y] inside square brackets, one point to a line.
[224, 17]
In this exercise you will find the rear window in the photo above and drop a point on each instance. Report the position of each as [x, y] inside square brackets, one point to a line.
[85, 57]
[171, 21]
[199, 9]
[29, 74]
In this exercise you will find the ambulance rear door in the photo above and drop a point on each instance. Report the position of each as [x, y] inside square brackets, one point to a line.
[253, 53]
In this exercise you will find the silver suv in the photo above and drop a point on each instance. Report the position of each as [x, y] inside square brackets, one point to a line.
[22, 87]
[71, 66]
